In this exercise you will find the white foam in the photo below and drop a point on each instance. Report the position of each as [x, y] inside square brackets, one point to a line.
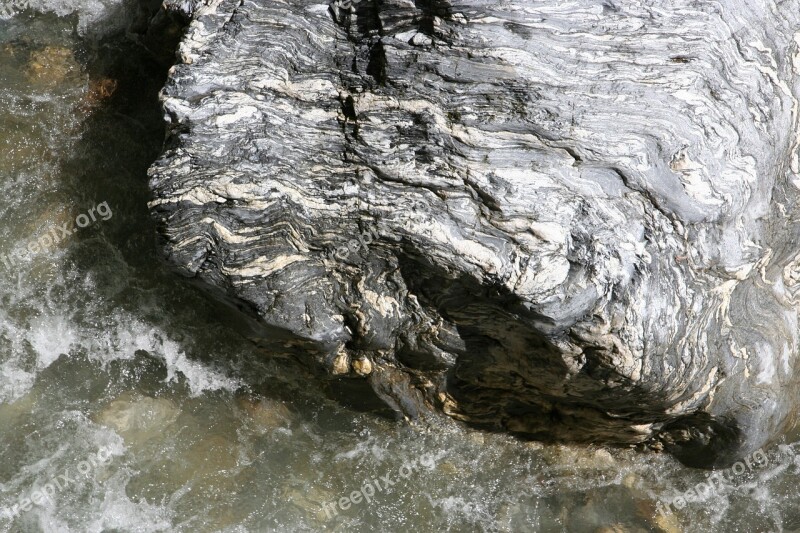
[200, 377]
[51, 337]
[457, 507]
[121, 337]
[370, 447]
[127, 334]
[94, 16]
[14, 382]
[111, 508]
[118, 512]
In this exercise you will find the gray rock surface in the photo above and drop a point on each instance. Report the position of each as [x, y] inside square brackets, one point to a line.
[569, 220]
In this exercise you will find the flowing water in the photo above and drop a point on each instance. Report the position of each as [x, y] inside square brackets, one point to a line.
[126, 405]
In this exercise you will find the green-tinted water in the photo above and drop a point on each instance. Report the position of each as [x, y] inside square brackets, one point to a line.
[126, 406]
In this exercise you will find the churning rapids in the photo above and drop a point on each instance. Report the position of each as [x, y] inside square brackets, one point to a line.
[127, 405]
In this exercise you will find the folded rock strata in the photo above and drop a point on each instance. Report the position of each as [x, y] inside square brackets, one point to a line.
[568, 220]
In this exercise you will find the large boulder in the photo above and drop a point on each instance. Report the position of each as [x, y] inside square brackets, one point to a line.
[569, 220]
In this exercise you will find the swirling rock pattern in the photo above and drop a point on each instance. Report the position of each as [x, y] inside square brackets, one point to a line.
[569, 220]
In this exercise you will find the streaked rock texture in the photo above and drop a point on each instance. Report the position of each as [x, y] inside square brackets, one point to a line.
[571, 220]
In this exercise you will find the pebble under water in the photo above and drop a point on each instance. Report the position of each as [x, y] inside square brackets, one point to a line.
[126, 405]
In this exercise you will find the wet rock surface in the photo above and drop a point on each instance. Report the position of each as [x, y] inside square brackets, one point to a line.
[573, 222]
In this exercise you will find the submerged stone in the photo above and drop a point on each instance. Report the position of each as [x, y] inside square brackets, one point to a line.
[52, 66]
[266, 413]
[138, 418]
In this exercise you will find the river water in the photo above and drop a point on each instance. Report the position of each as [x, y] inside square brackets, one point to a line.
[126, 405]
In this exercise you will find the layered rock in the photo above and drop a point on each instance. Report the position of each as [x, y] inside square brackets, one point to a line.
[573, 221]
